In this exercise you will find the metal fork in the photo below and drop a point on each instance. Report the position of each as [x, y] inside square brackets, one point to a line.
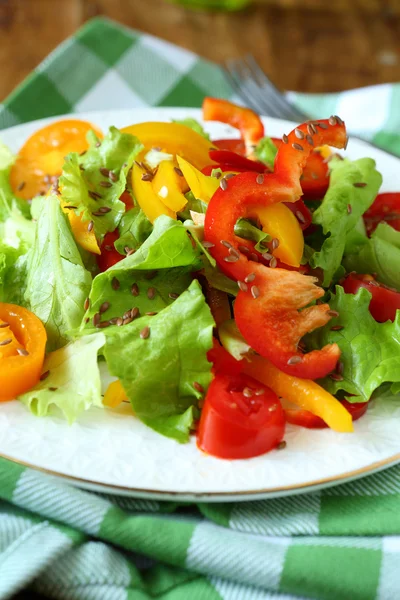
[252, 85]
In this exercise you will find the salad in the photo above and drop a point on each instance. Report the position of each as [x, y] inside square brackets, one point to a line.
[221, 287]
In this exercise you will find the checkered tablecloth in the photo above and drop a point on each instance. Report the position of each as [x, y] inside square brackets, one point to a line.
[338, 544]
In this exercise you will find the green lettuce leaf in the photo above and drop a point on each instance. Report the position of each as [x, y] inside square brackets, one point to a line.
[163, 263]
[13, 274]
[57, 282]
[380, 255]
[266, 151]
[73, 384]
[193, 204]
[158, 373]
[193, 124]
[134, 229]
[342, 208]
[7, 197]
[370, 351]
[81, 177]
[244, 228]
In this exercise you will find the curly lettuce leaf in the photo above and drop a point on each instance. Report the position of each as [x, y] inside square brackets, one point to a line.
[163, 263]
[341, 209]
[158, 373]
[134, 229]
[380, 254]
[370, 351]
[57, 282]
[74, 382]
[266, 151]
[82, 183]
[8, 200]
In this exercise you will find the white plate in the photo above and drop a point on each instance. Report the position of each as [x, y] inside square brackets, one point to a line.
[113, 451]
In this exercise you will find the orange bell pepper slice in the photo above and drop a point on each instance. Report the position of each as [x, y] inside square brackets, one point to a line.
[173, 138]
[115, 395]
[42, 155]
[21, 359]
[303, 392]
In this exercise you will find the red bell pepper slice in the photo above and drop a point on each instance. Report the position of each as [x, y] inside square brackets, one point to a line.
[226, 157]
[305, 418]
[241, 418]
[236, 145]
[385, 302]
[224, 168]
[244, 119]
[386, 207]
[268, 303]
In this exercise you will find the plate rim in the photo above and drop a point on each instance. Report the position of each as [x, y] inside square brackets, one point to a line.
[219, 496]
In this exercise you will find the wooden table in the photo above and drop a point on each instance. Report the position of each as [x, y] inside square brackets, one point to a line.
[304, 45]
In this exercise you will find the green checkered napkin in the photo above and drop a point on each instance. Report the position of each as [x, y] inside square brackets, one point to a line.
[342, 543]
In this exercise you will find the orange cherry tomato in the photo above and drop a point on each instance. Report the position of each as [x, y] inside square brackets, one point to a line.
[21, 359]
[41, 158]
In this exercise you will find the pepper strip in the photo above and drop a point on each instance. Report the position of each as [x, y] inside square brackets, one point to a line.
[268, 304]
[304, 393]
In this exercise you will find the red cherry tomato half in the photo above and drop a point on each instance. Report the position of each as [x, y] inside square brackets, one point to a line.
[109, 255]
[386, 207]
[234, 424]
[384, 302]
[305, 418]
[223, 361]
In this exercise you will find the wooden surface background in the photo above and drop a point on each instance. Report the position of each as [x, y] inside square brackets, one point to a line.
[304, 45]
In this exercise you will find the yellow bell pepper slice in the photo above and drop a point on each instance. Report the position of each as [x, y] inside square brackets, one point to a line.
[303, 392]
[146, 197]
[85, 238]
[115, 394]
[202, 186]
[167, 185]
[279, 221]
[173, 138]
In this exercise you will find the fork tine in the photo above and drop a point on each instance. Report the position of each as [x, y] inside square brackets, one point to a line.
[241, 87]
[265, 82]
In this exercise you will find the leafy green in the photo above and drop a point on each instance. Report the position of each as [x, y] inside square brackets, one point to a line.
[197, 233]
[342, 208]
[164, 262]
[158, 373]
[193, 204]
[134, 229]
[13, 274]
[218, 280]
[193, 124]
[370, 351]
[57, 283]
[380, 255]
[16, 228]
[7, 197]
[74, 383]
[246, 229]
[266, 151]
[115, 153]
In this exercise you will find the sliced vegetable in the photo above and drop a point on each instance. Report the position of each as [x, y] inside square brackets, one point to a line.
[148, 200]
[306, 394]
[305, 418]
[267, 308]
[41, 158]
[384, 302]
[240, 418]
[282, 225]
[234, 145]
[174, 138]
[167, 184]
[202, 186]
[244, 119]
[21, 358]
[115, 394]
[234, 160]
[109, 256]
[386, 207]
